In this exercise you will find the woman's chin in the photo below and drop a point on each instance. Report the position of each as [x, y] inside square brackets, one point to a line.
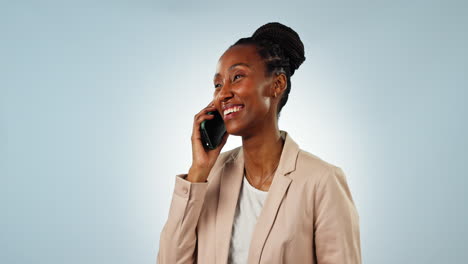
[234, 130]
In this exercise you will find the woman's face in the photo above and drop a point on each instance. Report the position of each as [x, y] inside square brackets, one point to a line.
[240, 81]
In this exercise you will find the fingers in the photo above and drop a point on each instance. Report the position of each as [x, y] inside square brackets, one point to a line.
[206, 110]
[199, 118]
[202, 117]
[197, 123]
[203, 113]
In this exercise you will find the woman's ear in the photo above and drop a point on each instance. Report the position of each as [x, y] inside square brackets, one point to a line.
[280, 84]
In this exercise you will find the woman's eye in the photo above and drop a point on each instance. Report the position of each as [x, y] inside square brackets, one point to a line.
[216, 85]
[237, 75]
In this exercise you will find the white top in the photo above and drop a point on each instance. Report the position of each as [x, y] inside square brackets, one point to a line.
[249, 206]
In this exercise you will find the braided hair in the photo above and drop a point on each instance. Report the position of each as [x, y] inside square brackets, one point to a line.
[281, 49]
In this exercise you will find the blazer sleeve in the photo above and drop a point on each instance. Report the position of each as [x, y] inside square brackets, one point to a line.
[336, 221]
[178, 239]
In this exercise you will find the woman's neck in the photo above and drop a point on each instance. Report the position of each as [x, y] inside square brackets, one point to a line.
[262, 153]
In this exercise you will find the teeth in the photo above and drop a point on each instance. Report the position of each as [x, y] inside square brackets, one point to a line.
[232, 109]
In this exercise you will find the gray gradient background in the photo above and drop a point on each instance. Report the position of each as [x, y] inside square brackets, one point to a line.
[97, 101]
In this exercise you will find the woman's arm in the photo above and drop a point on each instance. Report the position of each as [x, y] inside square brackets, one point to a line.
[178, 238]
[178, 242]
[336, 221]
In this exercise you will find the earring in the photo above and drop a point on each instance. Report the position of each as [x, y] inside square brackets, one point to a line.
[275, 95]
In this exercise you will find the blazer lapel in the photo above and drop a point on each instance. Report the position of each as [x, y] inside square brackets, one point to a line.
[275, 196]
[230, 183]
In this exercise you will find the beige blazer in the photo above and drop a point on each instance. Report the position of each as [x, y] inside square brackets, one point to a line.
[309, 215]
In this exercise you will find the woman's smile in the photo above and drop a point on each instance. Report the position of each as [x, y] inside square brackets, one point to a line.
[232, 111]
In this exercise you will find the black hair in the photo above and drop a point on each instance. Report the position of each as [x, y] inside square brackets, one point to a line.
[281, 49]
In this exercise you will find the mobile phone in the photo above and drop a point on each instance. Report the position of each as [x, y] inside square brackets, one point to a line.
[212, 131]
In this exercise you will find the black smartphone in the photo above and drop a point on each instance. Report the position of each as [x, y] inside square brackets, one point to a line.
[212, 131]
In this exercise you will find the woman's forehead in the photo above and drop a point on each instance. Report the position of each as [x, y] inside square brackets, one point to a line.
[238, 55]
[246, 52]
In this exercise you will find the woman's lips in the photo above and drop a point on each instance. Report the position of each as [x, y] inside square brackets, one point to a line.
[233, 114]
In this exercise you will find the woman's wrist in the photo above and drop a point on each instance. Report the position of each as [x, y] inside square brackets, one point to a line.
[196, 175]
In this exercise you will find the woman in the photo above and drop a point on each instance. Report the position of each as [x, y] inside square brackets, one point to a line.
[267, 201]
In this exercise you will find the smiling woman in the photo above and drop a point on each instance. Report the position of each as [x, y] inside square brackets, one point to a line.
[267, 201]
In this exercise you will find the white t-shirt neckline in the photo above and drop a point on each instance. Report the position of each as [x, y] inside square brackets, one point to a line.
[249, 207]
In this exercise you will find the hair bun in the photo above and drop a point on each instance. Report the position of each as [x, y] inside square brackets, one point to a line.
[288, 40]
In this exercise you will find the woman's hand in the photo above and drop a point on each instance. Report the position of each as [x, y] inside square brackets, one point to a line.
[203, 159]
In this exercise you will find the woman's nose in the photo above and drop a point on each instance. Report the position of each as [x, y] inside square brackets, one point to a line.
[225, 93]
